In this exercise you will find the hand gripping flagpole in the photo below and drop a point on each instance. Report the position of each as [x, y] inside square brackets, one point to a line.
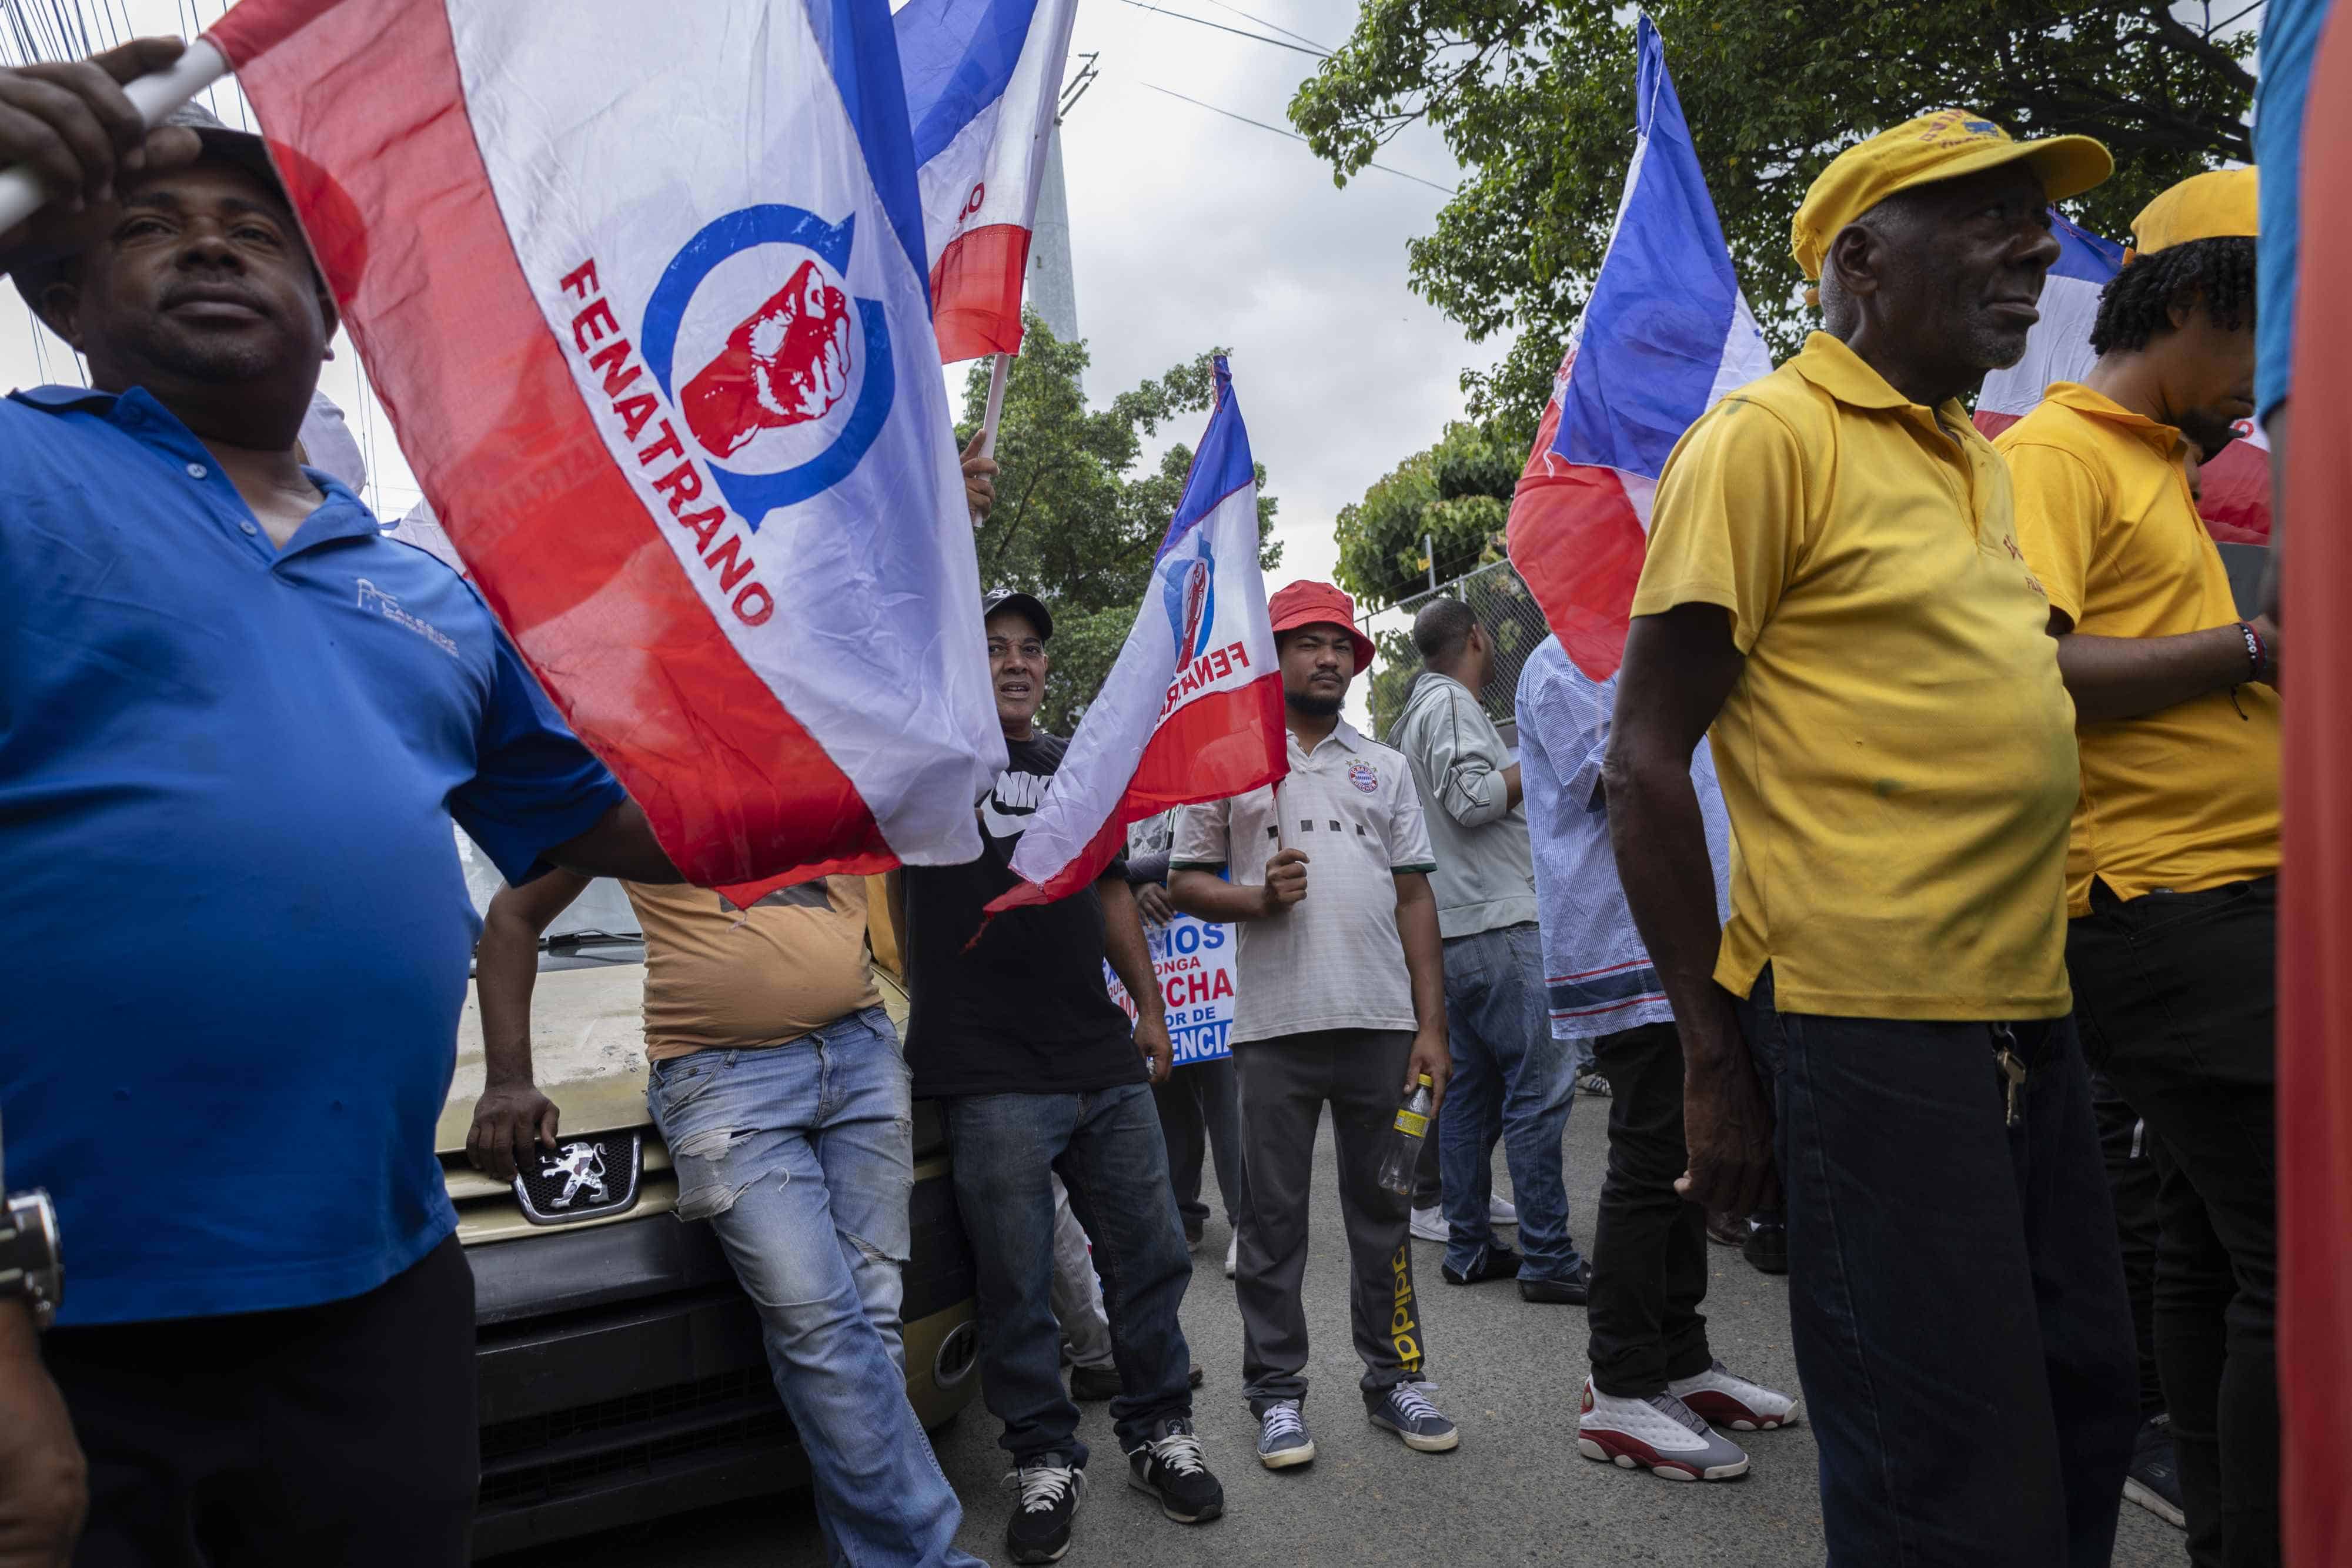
[154, 95]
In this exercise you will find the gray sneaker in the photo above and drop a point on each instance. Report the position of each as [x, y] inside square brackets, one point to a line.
[1660, 1434]
[1282, 1437]
[1405, 1410]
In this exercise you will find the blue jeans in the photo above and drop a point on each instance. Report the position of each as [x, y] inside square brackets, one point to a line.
[1106, 1148]
[800, 1156]
[1956, 1297]
[1506, 1064]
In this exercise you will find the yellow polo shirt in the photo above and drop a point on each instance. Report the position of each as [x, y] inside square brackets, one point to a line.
[2187, 798]
[1898, 756]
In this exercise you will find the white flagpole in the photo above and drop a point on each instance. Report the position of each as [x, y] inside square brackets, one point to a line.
[996, 379]
[154, 96]
[1049, 101]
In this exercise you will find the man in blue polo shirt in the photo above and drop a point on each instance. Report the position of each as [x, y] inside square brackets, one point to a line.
[235, 724]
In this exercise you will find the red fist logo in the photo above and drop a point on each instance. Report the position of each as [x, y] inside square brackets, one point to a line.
[786, 364]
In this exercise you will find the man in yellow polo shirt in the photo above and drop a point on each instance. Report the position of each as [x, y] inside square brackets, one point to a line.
[1835, 594]
[2172, 871]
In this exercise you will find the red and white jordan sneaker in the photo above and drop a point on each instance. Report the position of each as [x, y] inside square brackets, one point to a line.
[1659, 1434]
[1727, 1399]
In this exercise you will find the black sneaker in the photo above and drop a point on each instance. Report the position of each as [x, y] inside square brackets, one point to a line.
[1050, 1490]
[1767, 1248]
[1576, 1291]
[1497, 1263]
[1167, 1466]
[2154, 1480]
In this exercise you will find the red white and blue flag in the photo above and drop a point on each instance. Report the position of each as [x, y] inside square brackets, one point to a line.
[983, 77]
[2233, 488]
[642, 291]
[1666, 332]
[1192, 710]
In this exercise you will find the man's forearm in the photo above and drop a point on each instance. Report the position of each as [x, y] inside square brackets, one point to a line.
[1425, 956]
[1659, 835]
[1126, 948]
[506, 972]
[2125, 677]
[1210, 897]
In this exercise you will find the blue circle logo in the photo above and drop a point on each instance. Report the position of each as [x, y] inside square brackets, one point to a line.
[782, 377]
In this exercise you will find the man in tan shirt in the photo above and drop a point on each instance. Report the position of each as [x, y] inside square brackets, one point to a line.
[778, 1084]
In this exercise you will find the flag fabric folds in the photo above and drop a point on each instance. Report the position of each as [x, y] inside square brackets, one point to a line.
[983, 77]
[2234, 487]
[1665, 333]
[1192, 710]
[643, 292]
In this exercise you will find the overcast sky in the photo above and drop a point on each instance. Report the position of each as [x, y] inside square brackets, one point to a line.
[1188, 229]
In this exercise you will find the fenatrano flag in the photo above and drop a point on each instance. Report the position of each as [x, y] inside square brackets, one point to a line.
[2233, 488]
[644, 293]
[1666, 332]
[1192, 710]
[983, 77]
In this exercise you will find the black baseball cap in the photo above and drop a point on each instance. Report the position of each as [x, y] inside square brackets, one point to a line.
[997, 598]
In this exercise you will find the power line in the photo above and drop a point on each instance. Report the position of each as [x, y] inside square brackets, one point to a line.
[1236, 32]
[1278, 27]
[1279, 130]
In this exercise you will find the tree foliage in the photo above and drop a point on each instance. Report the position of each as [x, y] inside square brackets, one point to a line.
[1457, 495]
[1079, 515]
[1535, 100]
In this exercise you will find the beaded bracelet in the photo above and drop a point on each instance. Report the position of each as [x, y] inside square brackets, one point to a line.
[2257, 655]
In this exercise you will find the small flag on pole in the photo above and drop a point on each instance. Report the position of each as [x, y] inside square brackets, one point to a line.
[2233, 486]
[642, 291]
[1192, 710]
[1665, 333]
[983, 78]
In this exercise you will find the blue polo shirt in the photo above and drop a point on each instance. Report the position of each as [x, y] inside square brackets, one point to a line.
[233, 930]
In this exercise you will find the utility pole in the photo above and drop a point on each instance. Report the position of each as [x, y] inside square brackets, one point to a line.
[1053, 282]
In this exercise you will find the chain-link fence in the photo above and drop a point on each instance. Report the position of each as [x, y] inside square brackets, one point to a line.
[1503, 607]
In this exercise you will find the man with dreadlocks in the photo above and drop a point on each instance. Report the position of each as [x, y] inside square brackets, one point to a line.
[2173, 858]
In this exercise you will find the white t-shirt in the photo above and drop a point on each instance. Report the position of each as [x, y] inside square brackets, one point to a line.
[1333, 960]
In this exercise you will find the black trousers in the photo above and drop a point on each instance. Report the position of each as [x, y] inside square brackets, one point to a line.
[1201, 1115]
[2178, 999]
[1649, 1248]
[2136, 1163]
[338, 1434]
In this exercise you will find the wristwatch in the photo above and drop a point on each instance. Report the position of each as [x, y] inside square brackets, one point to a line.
[31, 1263]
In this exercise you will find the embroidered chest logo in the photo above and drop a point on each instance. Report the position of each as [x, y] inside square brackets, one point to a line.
[373, 598]
[1361, 776]
[2018, 556]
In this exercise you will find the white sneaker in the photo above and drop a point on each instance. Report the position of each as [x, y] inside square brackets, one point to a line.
[1730, 1400]
[1660, 1434]
[1232, 1254]
[1501, 1211]
[1429, 1224]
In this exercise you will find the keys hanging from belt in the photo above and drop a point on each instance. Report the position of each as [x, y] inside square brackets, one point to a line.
[2012, 1069]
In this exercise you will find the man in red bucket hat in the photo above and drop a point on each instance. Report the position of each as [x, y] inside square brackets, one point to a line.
[1341, 1000]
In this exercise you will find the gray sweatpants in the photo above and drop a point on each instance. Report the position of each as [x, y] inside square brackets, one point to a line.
[1284, 1083]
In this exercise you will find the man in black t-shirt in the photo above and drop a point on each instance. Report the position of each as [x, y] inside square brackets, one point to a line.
[1039, 1073]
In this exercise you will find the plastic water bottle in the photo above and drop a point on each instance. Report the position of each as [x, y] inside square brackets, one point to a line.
[1403, 1155]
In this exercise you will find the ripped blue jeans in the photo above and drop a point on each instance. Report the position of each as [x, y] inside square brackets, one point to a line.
[802, 1157]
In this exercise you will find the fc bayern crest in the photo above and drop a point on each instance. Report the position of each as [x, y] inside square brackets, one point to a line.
[783, 376]
[1361, 776]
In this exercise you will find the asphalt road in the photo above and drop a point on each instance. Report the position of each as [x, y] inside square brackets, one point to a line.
[1515, 1491]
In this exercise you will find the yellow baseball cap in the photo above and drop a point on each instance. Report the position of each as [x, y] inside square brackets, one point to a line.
[1943, 145]
[2220, 204]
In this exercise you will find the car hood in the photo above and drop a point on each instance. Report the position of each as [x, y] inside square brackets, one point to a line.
[587, 1049]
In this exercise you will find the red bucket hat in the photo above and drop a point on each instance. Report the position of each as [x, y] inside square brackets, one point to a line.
[1319, 604]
